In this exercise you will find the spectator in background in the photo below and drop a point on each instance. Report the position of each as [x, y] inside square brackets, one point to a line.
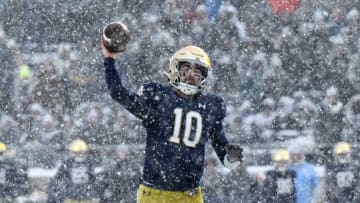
[336, 19]
[307, 180]
[227, 33]
[120, 181]
[49, 133]
[9, 130]
[8, 65]
[240, 186]
[257, 67]
[342, 176]
[352, 29]
[23, 90]
[284, 119]
[155, 38]
[276, 83]
[305, 114]
[124, 126]
[292, 62]
[336, 66]
[52, 141]
[279, 184]
[172, 17]
[225, 38]
[353, 69]
[212, 182]
[34, 118]
[48, 86]
[330, 120]
[93, 130]
[31, 153]
[213, 8]
[352, 120]
[200, 27]
[262, 124]
[243, 67]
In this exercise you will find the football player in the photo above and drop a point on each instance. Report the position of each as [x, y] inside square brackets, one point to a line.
[179, 118]
[279, 184]
[13, 180]
[342, 180]
[74, 182]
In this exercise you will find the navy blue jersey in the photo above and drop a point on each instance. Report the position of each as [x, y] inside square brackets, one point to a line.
[177, 130]
[74, 181]
[342, 182]
[279, 186]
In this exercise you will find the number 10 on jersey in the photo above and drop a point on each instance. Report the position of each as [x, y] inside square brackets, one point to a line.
[189, 117]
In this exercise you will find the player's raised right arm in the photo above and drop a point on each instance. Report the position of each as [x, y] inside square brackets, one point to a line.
[131, 101]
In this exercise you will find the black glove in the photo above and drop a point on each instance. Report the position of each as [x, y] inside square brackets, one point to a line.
[234, 152]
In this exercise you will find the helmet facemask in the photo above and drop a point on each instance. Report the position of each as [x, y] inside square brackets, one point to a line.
[281, 160]
[78, 150]
[281, 165]
[342, 152]
[78, 156]
[343, 158]
[176, 78]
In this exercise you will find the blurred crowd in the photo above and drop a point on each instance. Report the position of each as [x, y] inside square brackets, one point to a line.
[287, 74]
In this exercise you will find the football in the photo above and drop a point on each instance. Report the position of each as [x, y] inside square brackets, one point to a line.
[116, 36]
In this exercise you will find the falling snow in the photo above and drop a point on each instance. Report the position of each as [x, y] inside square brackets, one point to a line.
[288, 71]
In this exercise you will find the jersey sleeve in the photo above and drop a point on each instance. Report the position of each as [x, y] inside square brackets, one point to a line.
[217, 134]
[133, 102]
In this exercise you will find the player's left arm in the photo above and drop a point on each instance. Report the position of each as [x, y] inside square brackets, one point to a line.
[229, 154]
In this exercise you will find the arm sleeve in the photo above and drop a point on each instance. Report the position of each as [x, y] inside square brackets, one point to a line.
[217, 135]
[129, 100]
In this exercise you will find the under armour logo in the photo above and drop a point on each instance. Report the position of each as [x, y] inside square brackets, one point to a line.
[203, 106]
[146, 192]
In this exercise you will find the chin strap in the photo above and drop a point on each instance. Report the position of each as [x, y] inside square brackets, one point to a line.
[185, 88]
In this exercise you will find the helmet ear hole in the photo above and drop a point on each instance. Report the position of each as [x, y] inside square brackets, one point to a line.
[204, 72]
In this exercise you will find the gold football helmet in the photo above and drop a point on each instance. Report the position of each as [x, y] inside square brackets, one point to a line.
[342, 147]
[192, 55]
[342, 152]
[2, 147]
[78, 146]
[281, 158]
[78, 149]
[281, 155]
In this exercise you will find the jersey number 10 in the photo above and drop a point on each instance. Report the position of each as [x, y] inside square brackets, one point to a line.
[190, 116]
